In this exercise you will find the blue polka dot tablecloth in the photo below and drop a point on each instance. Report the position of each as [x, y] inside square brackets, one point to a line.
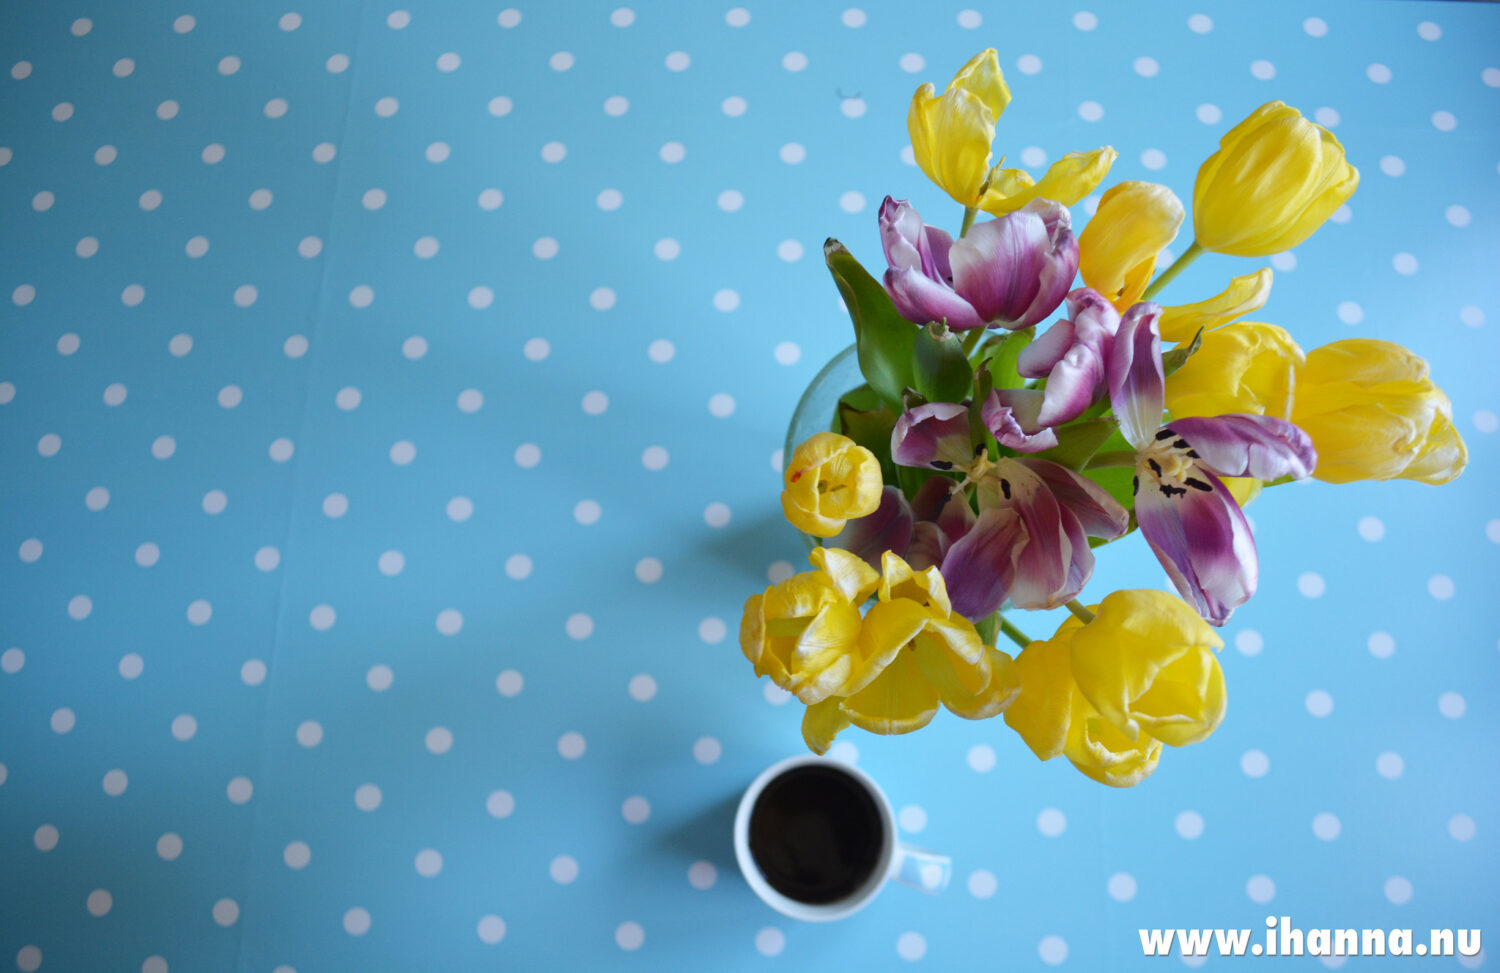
[391, 403]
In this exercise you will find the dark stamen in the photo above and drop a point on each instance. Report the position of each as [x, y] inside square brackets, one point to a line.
[1171, 491]
[979, 449]
[1180, 444]
[941, 464]
[1192, 454]
[1198, 484]
[1005, 488]
[1135, 485]
[1155, 466]
[1165, 433]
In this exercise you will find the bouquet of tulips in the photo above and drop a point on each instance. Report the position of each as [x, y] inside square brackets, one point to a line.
[983, 461]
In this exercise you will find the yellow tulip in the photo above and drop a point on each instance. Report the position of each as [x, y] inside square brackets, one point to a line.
[951, 133]
[887, 672]
[1274, 180]
[1109, 694]
[830, 480]
[1374, 414]
[1243, 295]
[1245, 367]
[1068, 180]
[1117, 249]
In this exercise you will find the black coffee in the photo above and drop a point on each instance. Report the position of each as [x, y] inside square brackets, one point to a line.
[816, 834]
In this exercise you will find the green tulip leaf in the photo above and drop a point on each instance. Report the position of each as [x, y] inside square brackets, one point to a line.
[885, 339]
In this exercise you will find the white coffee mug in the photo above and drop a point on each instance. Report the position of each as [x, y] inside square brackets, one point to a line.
[907, 864]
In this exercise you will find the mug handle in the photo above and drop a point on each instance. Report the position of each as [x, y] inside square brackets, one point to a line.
[921, 869]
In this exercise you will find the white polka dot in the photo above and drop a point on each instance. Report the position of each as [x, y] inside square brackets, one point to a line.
[793, 153]
[561, 61]
[678, 61]
[28, 959]
[983, 884]
[731, 200]
[609, 200]
[1471, 316]
[1390, 765]
[428, 862]
[322, 617]
[45, 838]
[63, 111]
[387, 106]
[517, 566]
[1378, 73]
[629, 936]
[1311, 584]
[1084, 20]
[229, 65]
[716, 515]
[1051, 822]
[491, 199]
[1404, 263]
[132, 295]
[912, 63]
[912, 818]
[1440, 586]
[509, 18]
[1319, 703]
[1189, 825]
[673, 152]
[707, 750]
[439, 740]
[1053, 950]
[1398, 890]
[379, 678]
[492, 928]
[1249, 642]
[460, 509]
[712, 630]
[239, 790]
[844, 752]
[275, 108]
[398, 20]
[62, 720]
[1326, 826]
[470, 401]
[789, 250]
[147, 554]
[587, 512]
[770, 941]
[654, 458]
[981, 758]
[100, 902]
[1326, 117]
[1122, 886]
[1262, 70]
[356, 921]
[623, 17]
[602, 298]
[267, 558]
[1461, 827]
[500, 804]
[1255, 763]
[361, 296]
[296, 855]
[448, 62]
[853, 17]
[450, 621]
[1090, 111]
[1146, 67]
[414, 348]
[571, 745]
[49, 444]
[509, 683]
[852, 202]
[88, 246]
[309, 733]
[1200, 23]
[402, 452]
[1153, 159]
[648, 570]
[911, 946]
[579, 626]
[595, 403]
[1486, 421]
[12, 659]
[1315, 26]
[367, 797]
[438, 152]
[1260, 889]
[794, 61]
[970, 19]
[852, 107]
[8, 392]
[702, 875]
[528, 455]
[1444, 121]
[337, 64]
[1029, 64]
[721, 405]
[21, 70]
[1452, 705]
[253, 672]
[1350, 312]
[642, 688]
[1491, 77]
[636, 810]
[23, 295]
[1457, 216]
[734, 106]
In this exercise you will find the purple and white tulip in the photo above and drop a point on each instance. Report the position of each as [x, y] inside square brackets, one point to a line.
[1030, 542]
[1185, 512]
[1072, 356]
[1009, 272]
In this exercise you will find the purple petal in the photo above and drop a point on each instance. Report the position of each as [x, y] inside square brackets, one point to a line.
[936, 245]
[978, 566]
[939, 501]
[928, 545]
[1098, 513]
[1264, 447]
[998, 266]
[1009, 413]
[1136, 381]
[1038, 358]
[889, 528]
[1072, 355]
[1203, 542]
[921, 299]
[934, 435]
[901, 235]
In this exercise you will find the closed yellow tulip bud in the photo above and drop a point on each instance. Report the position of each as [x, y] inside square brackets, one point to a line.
[951, 133]
[1117, 250]
[1245, 367]
[1374, 414]
[830, 480]
[1109, 694]
[1274, 180]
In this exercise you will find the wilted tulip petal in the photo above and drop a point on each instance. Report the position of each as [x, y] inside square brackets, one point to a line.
[1203, 541]
[1243, 295]
[1066, 181]
[887, 529]
[1247, 445]
[1009, 413]
[951, 133]
[1136, 382]
[935, 435]
[1072, 355]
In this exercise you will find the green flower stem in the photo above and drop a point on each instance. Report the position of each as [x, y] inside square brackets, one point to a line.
[1116, 457]
[1178, 266]
[1084, 615]
[972, 340]
[1014, 634]
[969, 213]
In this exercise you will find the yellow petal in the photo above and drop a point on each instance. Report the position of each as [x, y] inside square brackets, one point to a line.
[1442, 456]
[1098, 749]
[1068, 180]
[887, 628]
[900, 699]
[1243, 295]
[1000, 685]
[950, 138]
[1244, 489]
[926, 587]
[829, 480]
[1117, 249]
[821, 722]
[982, 77]
[1043, 709]
[847, 574]
[1243, 367]
[825, 654]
